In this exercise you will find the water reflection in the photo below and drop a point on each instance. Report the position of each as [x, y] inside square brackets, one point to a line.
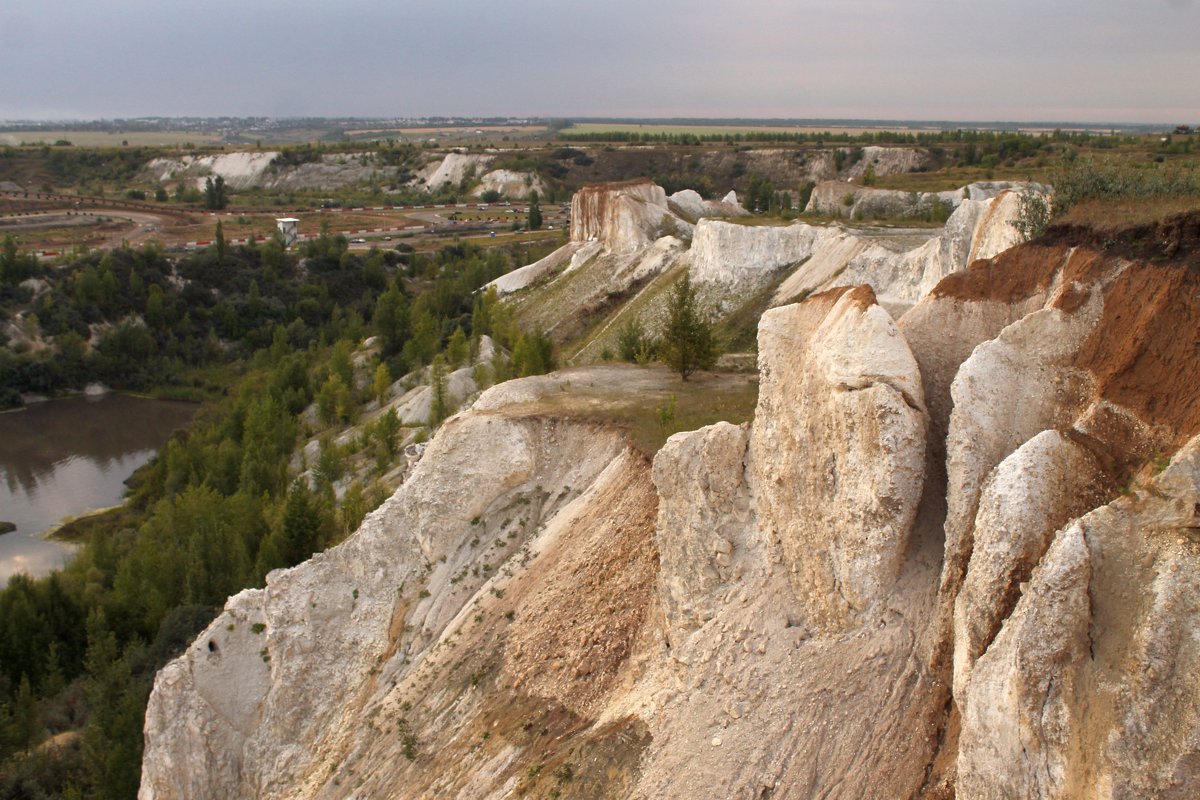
[66, 457]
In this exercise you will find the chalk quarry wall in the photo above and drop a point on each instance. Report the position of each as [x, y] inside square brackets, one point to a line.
[953, 555]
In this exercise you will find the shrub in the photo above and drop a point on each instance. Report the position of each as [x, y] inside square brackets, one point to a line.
[631, 340]
[1033, 215]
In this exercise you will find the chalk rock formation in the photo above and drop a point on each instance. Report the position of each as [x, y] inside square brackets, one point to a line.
[703, 519]
[888, 161]
[855, 201]
[624, 217]
[948, 557]
[1088, 690]
[509, 183]
[240, 170]
[452, 169]
[738, 258]
[734, 255]
[688, 204]
[273, 688]
[839, 386]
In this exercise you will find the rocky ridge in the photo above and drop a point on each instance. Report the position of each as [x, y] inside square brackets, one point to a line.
[246, 170]
[855, 201]
[629, 240]
[953, 555]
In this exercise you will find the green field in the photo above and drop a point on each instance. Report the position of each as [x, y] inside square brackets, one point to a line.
[715, 130]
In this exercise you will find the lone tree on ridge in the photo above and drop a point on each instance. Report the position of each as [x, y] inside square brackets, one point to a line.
[688, 342]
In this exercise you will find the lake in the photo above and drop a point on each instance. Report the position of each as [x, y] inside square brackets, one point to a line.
[63, 458]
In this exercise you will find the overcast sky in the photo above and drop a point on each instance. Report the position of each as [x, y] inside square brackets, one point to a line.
[1024, 60]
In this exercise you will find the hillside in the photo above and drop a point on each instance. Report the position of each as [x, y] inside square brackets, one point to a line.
[952, 554]
[629, 241]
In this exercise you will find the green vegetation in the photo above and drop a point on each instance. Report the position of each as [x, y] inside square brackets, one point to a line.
[1079, 179]
[534, 220]
[688, 343]
[215, 195]
[1033, 216]
[266, 337]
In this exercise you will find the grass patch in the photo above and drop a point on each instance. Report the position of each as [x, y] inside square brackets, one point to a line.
[646, 305]
[739, 329]
[635, 399]
[1116, 214]
[759, 222]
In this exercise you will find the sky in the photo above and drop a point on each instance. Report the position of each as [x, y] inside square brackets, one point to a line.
[1018, 60]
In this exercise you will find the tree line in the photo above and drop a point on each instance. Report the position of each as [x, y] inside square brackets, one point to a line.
[220, 506]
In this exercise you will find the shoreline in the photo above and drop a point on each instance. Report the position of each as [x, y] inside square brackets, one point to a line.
[63, 532]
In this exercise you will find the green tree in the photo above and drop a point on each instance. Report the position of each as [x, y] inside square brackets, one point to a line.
[26, 731]
[334, 400]
[632, 341]
[424, 337]
[391, 320]
[535, 212]
[533, 354]
[112, 739]
[439, 401]
[301, 524]
[297, 533]
[215, 194]
[382, 383]
[688, 342]
[457, 349]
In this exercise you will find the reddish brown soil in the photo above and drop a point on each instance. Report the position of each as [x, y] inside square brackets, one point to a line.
[574, 635]
[1011, 277]
[1145, 352]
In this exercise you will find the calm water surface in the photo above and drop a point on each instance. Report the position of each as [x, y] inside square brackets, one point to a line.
[65, 457]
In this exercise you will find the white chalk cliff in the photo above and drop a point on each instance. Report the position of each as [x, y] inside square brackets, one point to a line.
[956, 555]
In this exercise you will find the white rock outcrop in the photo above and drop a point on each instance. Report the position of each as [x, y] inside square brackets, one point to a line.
[688, 204]
[1043, 484]
[624, 217]
[261, 700]
[1088, 689]
[452, 169]
[733, 255]
[509, 183]
[854, 201]
[888, 160]
[977, 229]
[241, 170]
[947, 557]
[703, 520]
[840, 389]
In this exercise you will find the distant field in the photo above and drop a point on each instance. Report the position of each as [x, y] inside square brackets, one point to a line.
[104, 139]
[454, 130]
[717, 130]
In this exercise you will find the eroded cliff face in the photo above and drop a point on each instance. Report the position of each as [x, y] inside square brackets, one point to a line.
[815, 258]
[954, 555]
[623, 217]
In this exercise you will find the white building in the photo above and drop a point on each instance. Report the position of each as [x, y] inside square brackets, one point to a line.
[289, 229]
